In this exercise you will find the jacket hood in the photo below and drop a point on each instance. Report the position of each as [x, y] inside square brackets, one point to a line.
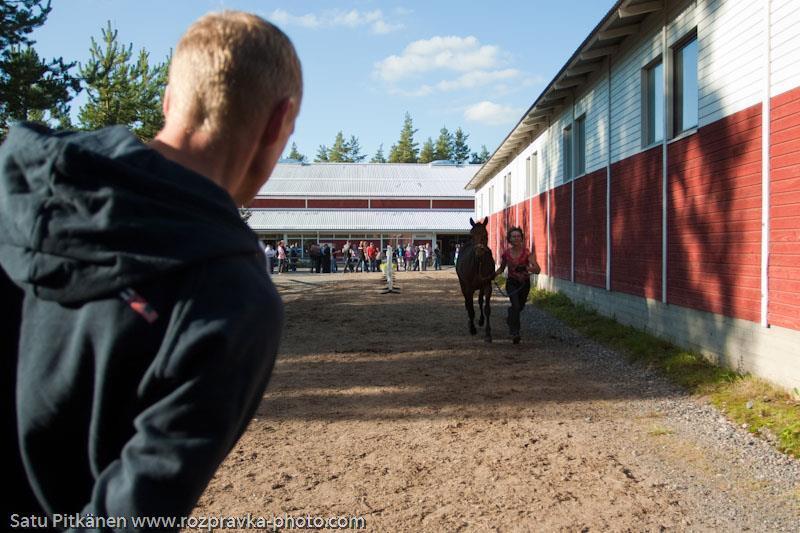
[83, 215]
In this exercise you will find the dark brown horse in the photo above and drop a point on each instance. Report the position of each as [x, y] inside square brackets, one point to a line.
[475, 269]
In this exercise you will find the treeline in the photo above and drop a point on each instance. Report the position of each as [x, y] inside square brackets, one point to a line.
[448, 146]
[122, 87]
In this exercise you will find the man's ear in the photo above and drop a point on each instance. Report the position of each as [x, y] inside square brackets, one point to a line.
[165, 103]
[282, 117]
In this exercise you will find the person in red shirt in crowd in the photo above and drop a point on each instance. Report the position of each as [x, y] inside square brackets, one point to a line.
[372, 255]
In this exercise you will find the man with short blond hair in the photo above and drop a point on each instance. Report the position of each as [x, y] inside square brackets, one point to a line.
[139, 329]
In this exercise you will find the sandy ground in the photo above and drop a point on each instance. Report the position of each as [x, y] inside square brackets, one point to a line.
[383, 406]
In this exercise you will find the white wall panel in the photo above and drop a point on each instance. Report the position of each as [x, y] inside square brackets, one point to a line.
[785, 41]
[681, 21]
[594, 103]
[730, 57]
[626, 93]
[555, 150]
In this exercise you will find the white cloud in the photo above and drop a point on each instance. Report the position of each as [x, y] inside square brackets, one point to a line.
[336, 19]
[284, 18]
[459, 54]
[424, 90]
[381, 27]
[492, 114]
[476, 78]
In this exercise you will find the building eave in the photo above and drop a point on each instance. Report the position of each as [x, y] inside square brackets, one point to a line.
[622, 21]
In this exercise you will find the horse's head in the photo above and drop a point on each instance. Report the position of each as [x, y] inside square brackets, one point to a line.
[480, 237]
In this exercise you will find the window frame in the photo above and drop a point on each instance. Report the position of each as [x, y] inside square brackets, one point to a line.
[677, 85]
[567, 152]
[528, 188]
[652, 132]
[579, 145]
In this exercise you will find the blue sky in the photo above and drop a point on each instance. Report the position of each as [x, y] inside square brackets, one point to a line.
[448, 63]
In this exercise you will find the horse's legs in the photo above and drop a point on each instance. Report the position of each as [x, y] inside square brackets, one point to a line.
[486, 309]
[468, 303]
[482, 318]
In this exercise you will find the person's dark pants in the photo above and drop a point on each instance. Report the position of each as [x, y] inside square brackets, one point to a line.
[317, 264]
[518, 294]
[326, 265]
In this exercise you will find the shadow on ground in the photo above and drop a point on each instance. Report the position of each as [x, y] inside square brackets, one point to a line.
[350, 352]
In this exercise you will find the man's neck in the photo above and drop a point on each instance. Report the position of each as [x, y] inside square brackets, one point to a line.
[195, 151]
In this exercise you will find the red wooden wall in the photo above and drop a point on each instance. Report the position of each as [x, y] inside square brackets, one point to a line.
[287, 203]
[338, 204]
[636, 224]
[539, 231]
[561, 231]
[590, 229]
[714, 217]
[784, 264]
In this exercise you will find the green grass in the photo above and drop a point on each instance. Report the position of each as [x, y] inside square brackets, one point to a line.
[657, 430]
[767, 410]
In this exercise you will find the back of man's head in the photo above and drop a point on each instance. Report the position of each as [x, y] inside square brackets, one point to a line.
[229, 68]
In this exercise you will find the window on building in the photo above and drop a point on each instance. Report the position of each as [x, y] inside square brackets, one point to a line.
[507, 190]
[533, 176]
[527, 177]
[566, 152]
[491, 199]
[685, 92]
[653, 100]
[580, 145]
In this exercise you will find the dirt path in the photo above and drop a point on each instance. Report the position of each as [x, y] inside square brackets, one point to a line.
[382, 406]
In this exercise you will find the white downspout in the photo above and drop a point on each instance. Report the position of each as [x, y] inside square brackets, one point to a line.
[608, 185]
[765, 166]
[667, 64]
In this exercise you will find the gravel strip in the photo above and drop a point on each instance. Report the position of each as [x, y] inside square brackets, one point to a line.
[747, 484]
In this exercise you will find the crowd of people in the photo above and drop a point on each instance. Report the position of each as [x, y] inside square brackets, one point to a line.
[362, 257]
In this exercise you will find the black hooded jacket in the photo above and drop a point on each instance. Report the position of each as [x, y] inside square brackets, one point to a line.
[138, 327]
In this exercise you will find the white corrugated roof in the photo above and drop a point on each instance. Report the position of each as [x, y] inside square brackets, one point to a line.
[369, 180]
[405, 220]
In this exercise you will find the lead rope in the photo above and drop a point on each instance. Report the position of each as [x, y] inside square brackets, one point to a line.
[504, 293]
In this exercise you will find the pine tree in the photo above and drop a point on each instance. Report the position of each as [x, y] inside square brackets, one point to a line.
[149, 86]
[354, 154]
[483, 157]
[30, 88]
[405, 151]
[444, 145]
[121, 92]
[322, 154]
[338, 153]
[378, 157]
[245, 213]
[295, 154]
[427, 154]
[460, 146]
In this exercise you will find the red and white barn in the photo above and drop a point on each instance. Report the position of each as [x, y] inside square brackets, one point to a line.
[658, 177]
[381, 203]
